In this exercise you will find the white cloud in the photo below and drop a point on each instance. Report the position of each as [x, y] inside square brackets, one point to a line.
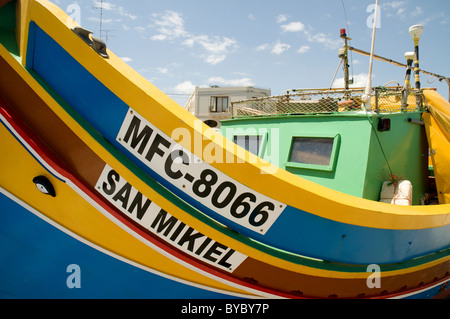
[400, 9]
[139, 29]
[158, 37]
[417, 11]
[217, 80]
[298, 26]
[96, 19]
[293, 27]
[162, 70]
[279, 48]
[262, 47]
[282, 18]
[186, 87]
[215, 58]
[303, 49]
[445, 20]
[215, 45]
[171, 26]
[113, 7]
[394, 4]
[276, 48]
[359, 80]
[126, 59]
[240, 73]
[323, 39]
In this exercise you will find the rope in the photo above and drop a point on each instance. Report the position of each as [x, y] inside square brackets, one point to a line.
[379, 143]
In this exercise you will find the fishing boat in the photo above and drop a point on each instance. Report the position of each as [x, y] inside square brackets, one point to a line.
[110, 189]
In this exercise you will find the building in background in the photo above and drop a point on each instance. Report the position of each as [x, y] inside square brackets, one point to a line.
[213, 104]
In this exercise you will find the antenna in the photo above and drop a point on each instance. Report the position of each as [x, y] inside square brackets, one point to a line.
[108, 35]
[101, 17]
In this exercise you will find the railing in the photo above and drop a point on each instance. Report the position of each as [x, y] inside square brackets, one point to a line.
[317, 101]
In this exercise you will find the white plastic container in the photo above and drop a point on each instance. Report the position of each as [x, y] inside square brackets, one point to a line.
[397, 193]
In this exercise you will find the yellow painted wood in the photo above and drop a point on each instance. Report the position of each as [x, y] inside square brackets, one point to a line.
[75, 214]
[437, 124]
[280, 185]
[261, 176]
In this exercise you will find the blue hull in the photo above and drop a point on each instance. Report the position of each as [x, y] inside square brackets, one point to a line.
[295, 231]
[35, 257]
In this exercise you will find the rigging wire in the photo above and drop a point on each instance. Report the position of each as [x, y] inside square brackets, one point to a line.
[368, 117]
[335, 73]
[375, 132]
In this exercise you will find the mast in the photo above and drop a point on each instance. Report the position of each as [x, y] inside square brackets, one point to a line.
[343, 54]
[368, 92]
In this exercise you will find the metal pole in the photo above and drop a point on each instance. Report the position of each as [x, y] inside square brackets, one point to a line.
[346, 76]
[368, 92]
[416, 31]
[335, 73]
[409, 60]
[416, 64]
[343, 54]
[417, 73]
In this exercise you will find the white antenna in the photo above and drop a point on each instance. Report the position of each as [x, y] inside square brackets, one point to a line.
[368, 92]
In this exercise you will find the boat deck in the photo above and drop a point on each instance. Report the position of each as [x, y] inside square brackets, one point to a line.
[326, 137]
[325, 101]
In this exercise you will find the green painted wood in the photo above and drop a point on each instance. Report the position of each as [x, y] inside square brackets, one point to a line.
[364, 156]
[8, 27]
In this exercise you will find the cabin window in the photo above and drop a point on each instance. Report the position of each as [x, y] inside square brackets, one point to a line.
[219, 104]
[251, 143]
[313, 152]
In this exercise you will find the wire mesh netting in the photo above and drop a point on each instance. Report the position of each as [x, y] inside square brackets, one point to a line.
[315, 101]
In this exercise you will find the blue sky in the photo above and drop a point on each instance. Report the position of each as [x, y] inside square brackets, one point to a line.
[280, 45]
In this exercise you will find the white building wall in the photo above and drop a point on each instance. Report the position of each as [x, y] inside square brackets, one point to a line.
[199, 103]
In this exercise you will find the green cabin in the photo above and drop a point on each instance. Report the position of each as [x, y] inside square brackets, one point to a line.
[337, 145]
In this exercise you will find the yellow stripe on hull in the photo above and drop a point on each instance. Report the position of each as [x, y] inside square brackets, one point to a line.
[80, 217]
[150, 102]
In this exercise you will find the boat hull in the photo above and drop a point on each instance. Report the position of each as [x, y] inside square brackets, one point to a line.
[67, 115]
[39, 259]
